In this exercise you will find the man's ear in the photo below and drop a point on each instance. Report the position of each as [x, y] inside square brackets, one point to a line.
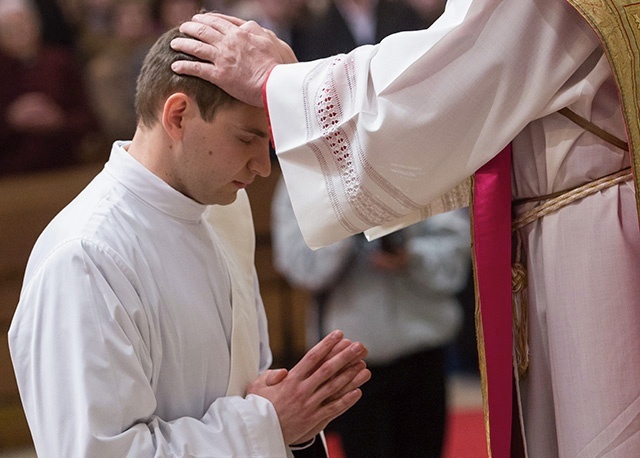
[176, 111]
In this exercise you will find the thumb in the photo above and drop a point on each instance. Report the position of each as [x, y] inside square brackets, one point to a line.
[275, 376]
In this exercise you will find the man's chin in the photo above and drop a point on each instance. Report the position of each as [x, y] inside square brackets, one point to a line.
[226, 200]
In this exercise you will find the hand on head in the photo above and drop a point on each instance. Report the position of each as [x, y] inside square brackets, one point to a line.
[322, 386]
[238, 55]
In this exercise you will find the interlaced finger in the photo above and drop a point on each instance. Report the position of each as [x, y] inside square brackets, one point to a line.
[314, 358]
[340, 383]
[330, 368]
[340, 346]
[335, 408]
[360, 379]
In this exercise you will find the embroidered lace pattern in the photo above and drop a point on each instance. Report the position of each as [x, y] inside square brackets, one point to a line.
[347, 155]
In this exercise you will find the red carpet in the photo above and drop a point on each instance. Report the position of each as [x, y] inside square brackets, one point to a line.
[465, 437]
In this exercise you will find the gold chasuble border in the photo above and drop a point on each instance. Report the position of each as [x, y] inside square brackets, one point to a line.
[617, 24]
[482, 356]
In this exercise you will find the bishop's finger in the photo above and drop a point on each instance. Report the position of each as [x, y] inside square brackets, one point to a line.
[204, 33]
[219, 22]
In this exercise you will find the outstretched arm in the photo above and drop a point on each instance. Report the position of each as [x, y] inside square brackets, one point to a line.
[238, 55]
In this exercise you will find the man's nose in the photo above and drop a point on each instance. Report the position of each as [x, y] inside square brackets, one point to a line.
[261, 163]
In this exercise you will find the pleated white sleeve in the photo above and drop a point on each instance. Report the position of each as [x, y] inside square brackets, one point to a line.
[374, 136]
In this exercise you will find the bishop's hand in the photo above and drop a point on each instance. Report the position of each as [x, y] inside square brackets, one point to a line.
[238, 55]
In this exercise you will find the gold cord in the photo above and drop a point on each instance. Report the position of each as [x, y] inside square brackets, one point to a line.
[519, 270]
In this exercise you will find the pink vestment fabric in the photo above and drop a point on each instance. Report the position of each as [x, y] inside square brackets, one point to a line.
[492, 250]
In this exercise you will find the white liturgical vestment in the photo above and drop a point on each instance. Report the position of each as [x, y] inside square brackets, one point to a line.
[373, 137]
[126, 342]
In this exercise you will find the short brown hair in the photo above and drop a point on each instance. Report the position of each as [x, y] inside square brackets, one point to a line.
[156, 82]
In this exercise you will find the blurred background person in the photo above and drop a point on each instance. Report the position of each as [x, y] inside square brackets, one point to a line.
[288, 19]
[411, 419]
[92, 23]
[398, 296]
[171, 13]
[429, 10]
[344, 24]
[55, 24]
[224, 6]
[45, 117]
[112, 72]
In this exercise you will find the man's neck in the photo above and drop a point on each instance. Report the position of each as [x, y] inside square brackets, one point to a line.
[149, 148]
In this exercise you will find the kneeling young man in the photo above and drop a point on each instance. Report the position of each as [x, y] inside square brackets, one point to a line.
[140, 330]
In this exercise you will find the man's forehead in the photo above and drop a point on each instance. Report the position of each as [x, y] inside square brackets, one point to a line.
[246, 117]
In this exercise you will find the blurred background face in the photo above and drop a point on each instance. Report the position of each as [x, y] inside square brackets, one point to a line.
[429, 9]
[132, 20]
[364, 4]
[175, 12]
[98, 4]
[282, 11]
[19, 29]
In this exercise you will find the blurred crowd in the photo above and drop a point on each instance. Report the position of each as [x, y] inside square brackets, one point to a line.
[68, 67]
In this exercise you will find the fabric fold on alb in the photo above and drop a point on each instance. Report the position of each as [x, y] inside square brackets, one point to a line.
[233, 224]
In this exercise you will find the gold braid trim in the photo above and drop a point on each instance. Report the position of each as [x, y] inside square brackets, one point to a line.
[616, 24]
[554, 202]
[591, 127]
[482, 356]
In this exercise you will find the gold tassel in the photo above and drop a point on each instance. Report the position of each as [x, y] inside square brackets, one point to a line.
[520, 310]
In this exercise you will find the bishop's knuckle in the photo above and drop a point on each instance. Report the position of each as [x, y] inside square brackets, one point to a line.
[201, 31]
